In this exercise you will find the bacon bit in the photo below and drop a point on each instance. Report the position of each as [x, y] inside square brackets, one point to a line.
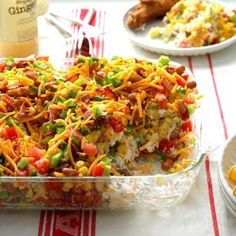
[85, 98]
[170, 69]
[161, 100]
[168, 85]
[21, 64]
[31, 74]
[167, 164]
[180, 70]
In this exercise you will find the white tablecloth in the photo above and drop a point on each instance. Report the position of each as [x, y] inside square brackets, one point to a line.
[203, 213]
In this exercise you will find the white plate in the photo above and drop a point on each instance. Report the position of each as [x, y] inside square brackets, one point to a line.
[142, 39]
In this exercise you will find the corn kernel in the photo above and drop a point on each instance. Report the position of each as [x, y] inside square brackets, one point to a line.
[232, 174]
[58, 174]
[83, 170]
[67, 187]
[79, 164]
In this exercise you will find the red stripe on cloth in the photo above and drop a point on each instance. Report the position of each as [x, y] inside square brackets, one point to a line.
[97, 40]
[190, 64]
[93, 223]
[211, 197]
[217, 96]
[67, 223]
[86, 223]
[48, 223]
[41, 223]
[207, 167]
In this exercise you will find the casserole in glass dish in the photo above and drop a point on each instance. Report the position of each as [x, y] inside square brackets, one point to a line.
[101, 134]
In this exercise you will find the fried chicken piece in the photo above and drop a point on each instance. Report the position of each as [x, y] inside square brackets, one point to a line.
[146, 11]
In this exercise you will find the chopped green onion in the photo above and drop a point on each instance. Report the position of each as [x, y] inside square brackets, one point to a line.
[153, 105]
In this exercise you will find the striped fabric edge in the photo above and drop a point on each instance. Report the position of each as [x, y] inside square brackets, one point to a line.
[81, 222]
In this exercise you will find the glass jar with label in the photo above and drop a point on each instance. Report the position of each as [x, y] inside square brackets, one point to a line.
[18, 28]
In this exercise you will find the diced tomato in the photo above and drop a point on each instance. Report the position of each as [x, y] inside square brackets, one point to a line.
[36, 153]
[126, 110]
[53, 185]
[2, 66]
[161, 101]
[72, 78]
[10, 133]
[108, 93]
[97, 170]
[116, 124]
[181, 82]
[90, 149]
[42, 165]
[166, 144]
[185, 77]
[189, 100]
[187, 126]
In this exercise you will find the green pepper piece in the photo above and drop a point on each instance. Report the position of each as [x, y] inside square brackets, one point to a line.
[60, 129]
[63, 114]
[73, 94]
[47, 139]
[48, 126]
[99, 99]
[83, 131]
[163, 61]
[9, 61]
[10, 121]
[66, 155]
[181, 90]
[40, 65]
[70, 102]
[153, 106]
[129, 129]
[162, 156]
[63, 145]
[56, 159]
[233, 18]
[34, 89]
[61, 99]
[22, 163]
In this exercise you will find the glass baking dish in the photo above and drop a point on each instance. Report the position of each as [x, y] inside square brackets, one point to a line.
[113, 192]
